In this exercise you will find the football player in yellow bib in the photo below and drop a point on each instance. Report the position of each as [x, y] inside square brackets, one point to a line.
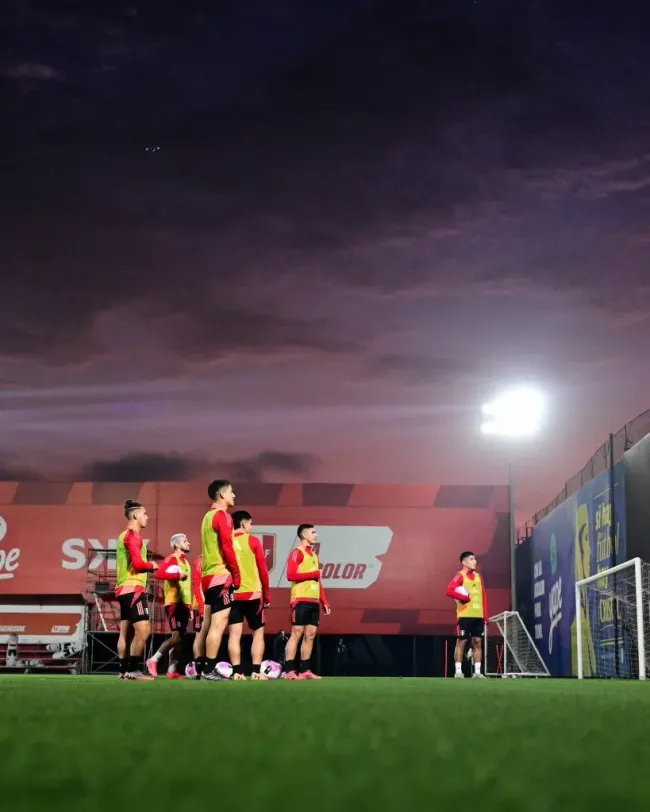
[307, 596]
[175, 573]
[468, 590]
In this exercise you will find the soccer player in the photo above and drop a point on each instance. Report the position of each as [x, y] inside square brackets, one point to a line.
[175, 573]
[194, 669]
[220, 571]
[468, 590]
[131, 591]
[307, 596]
[252, 597]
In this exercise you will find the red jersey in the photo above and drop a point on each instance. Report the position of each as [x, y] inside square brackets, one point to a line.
[301, 570]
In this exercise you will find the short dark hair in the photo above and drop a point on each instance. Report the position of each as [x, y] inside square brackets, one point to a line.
[465, 555]
[240, 516]
[130, 507]
[301, 529]
[215, 486]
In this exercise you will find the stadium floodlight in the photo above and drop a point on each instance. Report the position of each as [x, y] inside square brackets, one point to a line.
[515, 413]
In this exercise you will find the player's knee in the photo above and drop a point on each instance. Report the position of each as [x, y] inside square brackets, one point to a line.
[310, 632]
[297, 632]
[143, 629]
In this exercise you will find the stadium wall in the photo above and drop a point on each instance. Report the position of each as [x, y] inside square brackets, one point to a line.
[572, 542]
[387, 552]
[637, 499]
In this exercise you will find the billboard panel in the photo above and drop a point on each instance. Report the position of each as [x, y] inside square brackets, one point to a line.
[573, 542]
[387, 552]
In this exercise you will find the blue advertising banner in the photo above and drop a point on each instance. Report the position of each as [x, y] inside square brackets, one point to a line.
[573, 542]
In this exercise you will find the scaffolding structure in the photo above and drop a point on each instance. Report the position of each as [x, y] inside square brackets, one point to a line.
[103, 612]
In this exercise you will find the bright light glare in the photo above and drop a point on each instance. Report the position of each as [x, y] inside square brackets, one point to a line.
[516, 413]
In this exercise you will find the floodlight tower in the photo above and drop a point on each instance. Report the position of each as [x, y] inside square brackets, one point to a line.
[515, 414]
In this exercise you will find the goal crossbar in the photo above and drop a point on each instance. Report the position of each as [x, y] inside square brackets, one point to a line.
[637, 563]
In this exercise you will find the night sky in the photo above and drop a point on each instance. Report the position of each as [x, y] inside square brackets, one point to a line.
[304, 240]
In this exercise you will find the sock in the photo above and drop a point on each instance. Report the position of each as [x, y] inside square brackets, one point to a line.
[123, 664]
[199, 665]
[237, 669]
[477, 668]
[256, 668]
[304, 666]
[157, 657]
[171, 669]
[209, 664]
[459, 668]
[290, 665]
[134, 664]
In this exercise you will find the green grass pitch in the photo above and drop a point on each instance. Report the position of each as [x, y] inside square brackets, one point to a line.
[99, 745]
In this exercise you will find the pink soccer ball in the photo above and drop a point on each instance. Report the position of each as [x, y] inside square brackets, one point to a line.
[224, 670]
[271, 669]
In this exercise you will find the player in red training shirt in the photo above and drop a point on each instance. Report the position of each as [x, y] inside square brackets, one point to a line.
[468, 590]
[307, 596]
[175, 573]
[220, 571]
[252, 597]
[131, 591]
[201, 614]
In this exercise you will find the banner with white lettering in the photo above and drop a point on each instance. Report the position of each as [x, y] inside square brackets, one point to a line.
[573, 542]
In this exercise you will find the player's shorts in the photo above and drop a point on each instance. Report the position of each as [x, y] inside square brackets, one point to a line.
[305, 614]
[470, 627]
[198, 621]
[178, 617]
[249, 611]
[219, 598]
[134, 610]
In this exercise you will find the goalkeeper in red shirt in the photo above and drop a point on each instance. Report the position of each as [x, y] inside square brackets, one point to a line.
[468, 590]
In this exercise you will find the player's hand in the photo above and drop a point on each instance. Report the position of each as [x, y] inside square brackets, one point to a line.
[183, 577]
[266, 605]
[327, 609]
[155, 566]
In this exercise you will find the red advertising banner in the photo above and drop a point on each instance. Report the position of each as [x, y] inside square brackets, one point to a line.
[387, 552]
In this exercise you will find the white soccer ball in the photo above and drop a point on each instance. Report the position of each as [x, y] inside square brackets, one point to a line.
[462, 591]
[271, 669]
[224, 670]
[174, 570]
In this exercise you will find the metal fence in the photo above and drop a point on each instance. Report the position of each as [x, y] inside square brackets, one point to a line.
[601, 460]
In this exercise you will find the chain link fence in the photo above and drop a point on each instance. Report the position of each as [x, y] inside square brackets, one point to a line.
[601, 460]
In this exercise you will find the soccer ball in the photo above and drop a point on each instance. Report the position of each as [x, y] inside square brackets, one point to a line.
[462, 591]
[174, 570]
[224, 670]
[271, 669]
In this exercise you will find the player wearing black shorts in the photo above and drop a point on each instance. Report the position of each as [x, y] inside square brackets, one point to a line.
[468, 590]
[177, 586]
[307, 596]
[131, 592]
[252, 597]
[220, 571]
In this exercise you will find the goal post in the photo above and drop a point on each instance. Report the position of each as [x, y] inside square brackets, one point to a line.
[510, 650]
[613, 622]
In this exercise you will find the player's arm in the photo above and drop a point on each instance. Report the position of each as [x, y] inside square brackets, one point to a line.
[452, 589]
[484, 600]
[260, 559]
[295, 560]
[197, 590]
[163, 572]
[323, 599]
[224, 538]
[134, 550]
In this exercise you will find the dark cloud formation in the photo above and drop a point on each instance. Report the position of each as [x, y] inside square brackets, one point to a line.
[141, 468]
[258, 467]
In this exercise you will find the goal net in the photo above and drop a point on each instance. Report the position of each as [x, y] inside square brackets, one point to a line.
[510, 650]
[613, 622]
